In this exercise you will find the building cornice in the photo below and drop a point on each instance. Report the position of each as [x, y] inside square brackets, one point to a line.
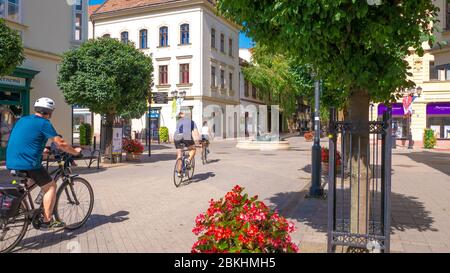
[161, 7]
[42, 54]
[15, 25]
[212, 99]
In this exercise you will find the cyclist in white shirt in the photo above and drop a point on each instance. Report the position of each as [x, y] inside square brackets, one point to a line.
[206, 134]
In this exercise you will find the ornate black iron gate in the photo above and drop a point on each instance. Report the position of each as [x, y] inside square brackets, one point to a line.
[359, 185]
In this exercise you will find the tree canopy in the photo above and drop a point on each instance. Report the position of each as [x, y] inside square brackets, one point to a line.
[107, 76]
[356, 45]
[284, 79]
[11, 49]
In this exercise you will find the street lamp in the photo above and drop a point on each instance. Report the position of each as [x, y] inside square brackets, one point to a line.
[411, 92]
[316, 190]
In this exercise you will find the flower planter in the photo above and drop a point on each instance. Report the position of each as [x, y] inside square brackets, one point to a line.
[133, 157]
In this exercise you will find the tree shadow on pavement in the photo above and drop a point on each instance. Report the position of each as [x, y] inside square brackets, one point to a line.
[407, 212]
[437, 161]
[43, 240]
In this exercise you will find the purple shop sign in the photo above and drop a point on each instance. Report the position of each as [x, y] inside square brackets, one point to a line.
[397, 109]
[439, 108]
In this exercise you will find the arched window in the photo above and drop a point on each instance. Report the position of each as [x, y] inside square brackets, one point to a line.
[124, 37]
[164, 36]
[106, 36]
[184, 32]
[143, 40]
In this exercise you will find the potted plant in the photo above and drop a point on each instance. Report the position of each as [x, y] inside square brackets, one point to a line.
[133, 149]
[164, 134]
[309, 136]
[239, 224]
[326, 159]
[429, 139]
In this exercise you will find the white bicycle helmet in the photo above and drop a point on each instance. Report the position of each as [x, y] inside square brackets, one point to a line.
[44, 105]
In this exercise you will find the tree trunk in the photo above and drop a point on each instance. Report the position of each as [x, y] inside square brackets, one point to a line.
[109, 135]
[359, 117]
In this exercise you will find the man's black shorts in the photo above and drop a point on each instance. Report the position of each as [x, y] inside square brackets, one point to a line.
[40, 176]
[187, 143]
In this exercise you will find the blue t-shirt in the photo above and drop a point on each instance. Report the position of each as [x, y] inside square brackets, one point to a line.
[27, 142]
[185, 126]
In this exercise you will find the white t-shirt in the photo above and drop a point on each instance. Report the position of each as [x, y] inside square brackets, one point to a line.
[205, 130]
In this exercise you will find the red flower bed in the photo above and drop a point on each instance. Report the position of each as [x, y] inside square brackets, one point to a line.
[326, 158]
[132, 146]
[239, 224]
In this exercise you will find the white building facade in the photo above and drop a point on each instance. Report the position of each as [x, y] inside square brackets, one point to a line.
[48, 29]
[193, 51]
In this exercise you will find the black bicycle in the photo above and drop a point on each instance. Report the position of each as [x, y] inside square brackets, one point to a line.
[205, 151]
[74, 203]
[186, 170]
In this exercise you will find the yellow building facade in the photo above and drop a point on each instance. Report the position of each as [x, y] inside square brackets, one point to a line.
[432, 74]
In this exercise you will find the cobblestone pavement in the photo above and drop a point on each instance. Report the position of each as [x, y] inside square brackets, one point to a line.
[138, 208]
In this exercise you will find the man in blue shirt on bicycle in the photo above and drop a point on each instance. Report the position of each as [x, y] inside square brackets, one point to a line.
[24, 153]
[186, 134]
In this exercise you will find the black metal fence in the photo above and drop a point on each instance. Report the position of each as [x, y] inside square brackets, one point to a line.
[359, 185]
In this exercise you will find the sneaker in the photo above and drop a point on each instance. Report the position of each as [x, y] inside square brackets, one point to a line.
[188, 164]
[179, 175]
[53, 225]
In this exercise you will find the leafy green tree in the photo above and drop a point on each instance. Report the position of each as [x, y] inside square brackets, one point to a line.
[11, 49]
[358, 46]
[284, 80]
[109, 77]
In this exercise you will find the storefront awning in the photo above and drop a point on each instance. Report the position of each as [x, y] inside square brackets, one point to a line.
[397, 109]
[438, 109]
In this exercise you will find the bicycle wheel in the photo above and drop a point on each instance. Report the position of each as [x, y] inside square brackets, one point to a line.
[203, 154]
[14, 229]
[190, 171]
[74, 202]
[177, 180]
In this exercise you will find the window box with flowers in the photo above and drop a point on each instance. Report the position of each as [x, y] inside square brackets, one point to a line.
[238, 223]
[133, 149]
[326, 160]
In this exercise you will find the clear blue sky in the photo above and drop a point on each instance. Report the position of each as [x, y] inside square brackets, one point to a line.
[244, 42]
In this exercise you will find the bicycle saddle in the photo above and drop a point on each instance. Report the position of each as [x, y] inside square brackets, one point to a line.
[20, 174]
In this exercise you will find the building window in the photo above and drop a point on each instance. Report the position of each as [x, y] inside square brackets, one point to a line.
[106, 36]
[78, 24]
[246, 89]
[164, 36]
[230, 47]
[163, 74]
[184, 73]
[184, 33]
[254, 92]
[213, 38]
[230, 82]
[10, 9]
[143, 39]
[222, 43]
[213, 77]
[438, 119]
[222, 79]
[124, 37]
[433, 71]
[447, 6]
[78, 20]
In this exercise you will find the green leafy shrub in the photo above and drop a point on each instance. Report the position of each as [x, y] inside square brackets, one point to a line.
[429, 139]
[11, 49]
[164, 134]
[85, 134]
